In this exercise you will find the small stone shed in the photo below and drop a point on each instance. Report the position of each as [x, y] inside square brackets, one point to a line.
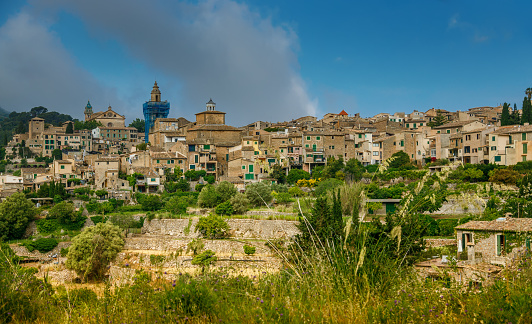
[387, 206]
[494, 242]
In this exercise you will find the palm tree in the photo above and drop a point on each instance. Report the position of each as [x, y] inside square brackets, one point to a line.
[528, 92]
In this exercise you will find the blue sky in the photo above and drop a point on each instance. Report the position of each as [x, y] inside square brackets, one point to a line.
[264, 60]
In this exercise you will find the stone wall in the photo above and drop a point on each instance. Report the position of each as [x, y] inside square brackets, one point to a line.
[239, 228]
[439, 242]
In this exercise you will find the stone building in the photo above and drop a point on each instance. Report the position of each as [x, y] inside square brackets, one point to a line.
[496, 242]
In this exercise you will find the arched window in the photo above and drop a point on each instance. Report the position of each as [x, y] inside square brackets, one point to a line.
[110, 125]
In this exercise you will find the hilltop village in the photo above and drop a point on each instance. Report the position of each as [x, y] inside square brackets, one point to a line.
[104, 157]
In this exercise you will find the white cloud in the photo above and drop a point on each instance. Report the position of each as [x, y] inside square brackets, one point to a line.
[219, 49]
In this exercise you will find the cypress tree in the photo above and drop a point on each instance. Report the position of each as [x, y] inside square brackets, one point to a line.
[527, 111]
[515, 118]
[505, 115]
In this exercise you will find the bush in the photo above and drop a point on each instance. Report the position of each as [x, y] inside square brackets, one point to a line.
[199, 187]
[157, 260]
[296, 192]
[225, 191]
[205, 259]
[152, 203]
[296, 174]
[47, 225]
[64, 252]
[93, 250]
[43, 245]
[208, 197]
[224, 208]
[240, 204]
[249, 250]
[506, 176]
[98, 219]
[326, 185]
[177, 205]
[64, 212]
[196, 246]
[15, 214]
[124, 221]
[212, 227]
[258, 194]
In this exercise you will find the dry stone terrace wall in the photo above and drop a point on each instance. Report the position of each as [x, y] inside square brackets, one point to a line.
[239, 228]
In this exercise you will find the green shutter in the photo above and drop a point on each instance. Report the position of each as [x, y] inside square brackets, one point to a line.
[463, 242]
[250, 168]
[523, 136]
[499, 244]
[528, 243]
[525, 148]
[207, 147]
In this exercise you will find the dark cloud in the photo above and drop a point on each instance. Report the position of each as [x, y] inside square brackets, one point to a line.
[36, 70]
[215, 49]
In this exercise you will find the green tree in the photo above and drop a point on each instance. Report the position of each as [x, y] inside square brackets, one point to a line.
[139, 124]
[515, 117]
[36, 111]
[259, 194]
[93, 250]
[297, 174]
[142, 147]
[208, 197]
[278, 173]
[526, 117]
[177, 205]
[354, 169]
[224, 208]
[57, 154]
[212, 227]
[69, 128]
[528, 93]
[505, 115]
[333, 166]
[439, 120]
[152, 203]
[15, 214]
[64, 212]
[101, 193]
[400, 161]
[225, 190]
[240, 204]
[183, 185]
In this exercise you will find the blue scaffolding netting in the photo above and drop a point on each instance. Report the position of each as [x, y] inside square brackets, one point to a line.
[153, 110]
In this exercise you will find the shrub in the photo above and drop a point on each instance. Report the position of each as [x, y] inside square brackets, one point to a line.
[93, 250]
[205, 259]
[240, 204]
[199, 187]
[177, 205]
[249, 250]
[47, 225]
[296, 192]
[506, 176]
[196, 246]
[225, 191]
[283, 197]
[64, 252]
[191, 298]
[152, 202]
[64, 212]
[224, 208]
[157, 259]
[43, 245]
[208, 197]
[15, 214]
[296, 174]
[123, 221]
[326, 185]
[212, 226]
[97, 219]
[258, 194]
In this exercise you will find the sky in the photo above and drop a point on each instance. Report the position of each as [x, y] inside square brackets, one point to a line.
[269, 60]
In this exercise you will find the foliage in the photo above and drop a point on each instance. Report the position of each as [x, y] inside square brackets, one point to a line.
[297, 174]
[249, 250]
[125, 221]
[205, 259]
[47, 225]
[98, 219]
[89, 125]
[282, 197]
[506, 176]
[258, 194]
[196, 246]
[157, 260]
[194, 175]
[278, 173]
[240, 204]
[210, 179]
[225, 191]
[15, 214]
[183, 185]
[42, 245]
[224, 208]
[296, 192]
[505, 115]
[439, 120]
[208, 197]
[64, 212]
[69, 129]
[152, 202]
[374, 191]
[63, 252]
[354, 170]
[93, 250]
[177, 205]
[101, 193]
[327, 185]
[139, 124]
[212, 227]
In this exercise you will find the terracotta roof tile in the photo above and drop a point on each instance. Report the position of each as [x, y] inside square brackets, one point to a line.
[507, 224]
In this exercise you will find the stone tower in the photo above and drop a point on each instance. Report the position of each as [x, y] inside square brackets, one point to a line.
[211, 106]
[88, 111]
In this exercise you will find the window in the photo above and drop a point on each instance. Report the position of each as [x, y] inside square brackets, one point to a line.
[359, 135]
[375, 153]
[62, 167]
[523, 136]
[318, 138]
[191, 166]
[402, 143]
[414, 125]
[501, 244]
[207, 147]
[158, 161]
[308, 138]
[196, 158]
[524, 158]
[493, 138]
[420, 124]
[227, 157]
[478, 136]
[306, 145]
[494, 148]
[407, 125]
[448, 131]
[256, 153]
[168, 162]
[192, 148]
[497, 158]
[248, 142]
[510, 141]
[467, 149]
[525, 148]
[438, 132]
[243, 167]
[250, 168]
[152, 179]
[468, 137]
